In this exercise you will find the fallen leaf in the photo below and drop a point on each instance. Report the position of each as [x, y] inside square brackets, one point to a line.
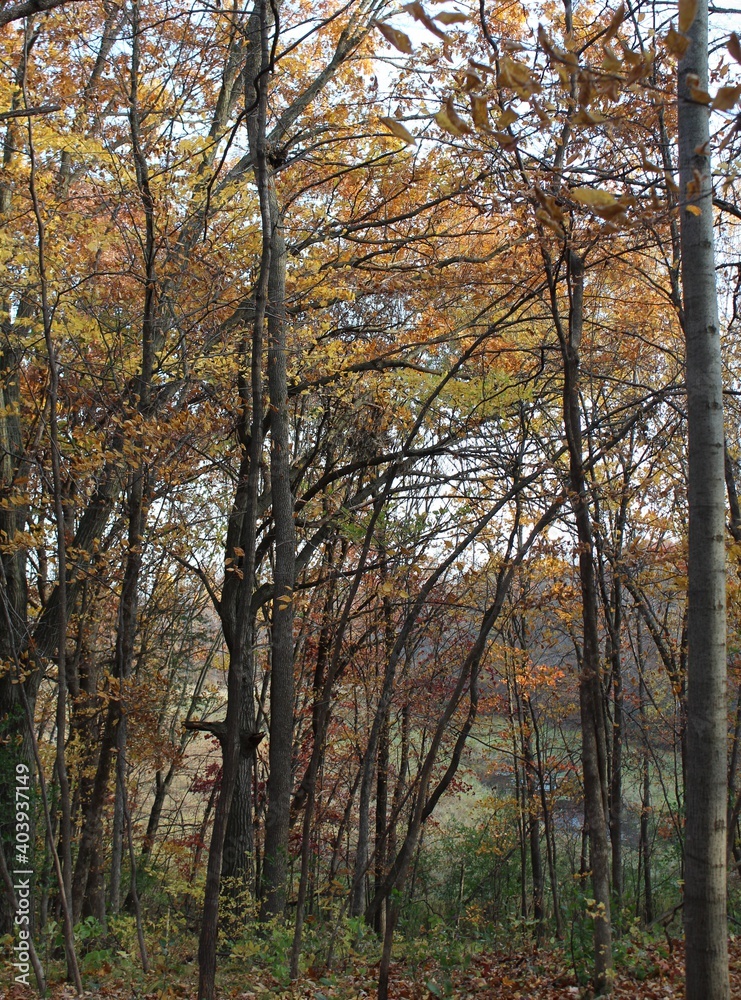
[615, 21]
[687, 12]
[399, 130]
[676, 44]
[397, 38]
[480, 112]
[449, 119]
[726, 98]
[420, 14]
[450, 17]
[593, 197]
[734, 46]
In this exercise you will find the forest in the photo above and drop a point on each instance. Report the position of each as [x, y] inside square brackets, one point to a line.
[370, 533]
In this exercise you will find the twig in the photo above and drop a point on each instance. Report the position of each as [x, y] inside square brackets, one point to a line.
[40, 109]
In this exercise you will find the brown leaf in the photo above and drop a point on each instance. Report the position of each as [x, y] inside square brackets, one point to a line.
[399, 130]
[687, 12]
[612, 62]
[544, 118]
[449, 119]
[450, 17]
[480, 113]
[397, 38]
[517, 76]
[676, 44]
[700, 95]
[734, 46]
[584, 117]
[726, 97]
[546, 219]
[506, 141]
[693, 209]
[420, 14]
[615, 21]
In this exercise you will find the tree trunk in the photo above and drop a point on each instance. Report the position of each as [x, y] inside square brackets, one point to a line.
[241, 539]
[280, 778]
[705, 919]
[644, 841]
[591, 702]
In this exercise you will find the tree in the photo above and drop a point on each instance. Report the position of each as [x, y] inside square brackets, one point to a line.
[705, 918]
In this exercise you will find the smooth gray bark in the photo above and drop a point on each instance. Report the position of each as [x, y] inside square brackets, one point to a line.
[705, 920]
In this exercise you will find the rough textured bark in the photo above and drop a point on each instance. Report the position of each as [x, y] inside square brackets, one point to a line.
[705, 920]
[280, 779]
[591, 702]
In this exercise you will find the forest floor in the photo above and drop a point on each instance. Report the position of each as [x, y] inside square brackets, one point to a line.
[652, 972]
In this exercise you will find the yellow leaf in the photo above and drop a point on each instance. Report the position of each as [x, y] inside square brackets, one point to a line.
[694, 210]
[448, 119]
[726, 97]
[734, 46]
[450, 17]
[687, 11]
[549, 203]
[399, 130]
[398, 39]
[593, 197]
[676, 44]
[480, 113]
